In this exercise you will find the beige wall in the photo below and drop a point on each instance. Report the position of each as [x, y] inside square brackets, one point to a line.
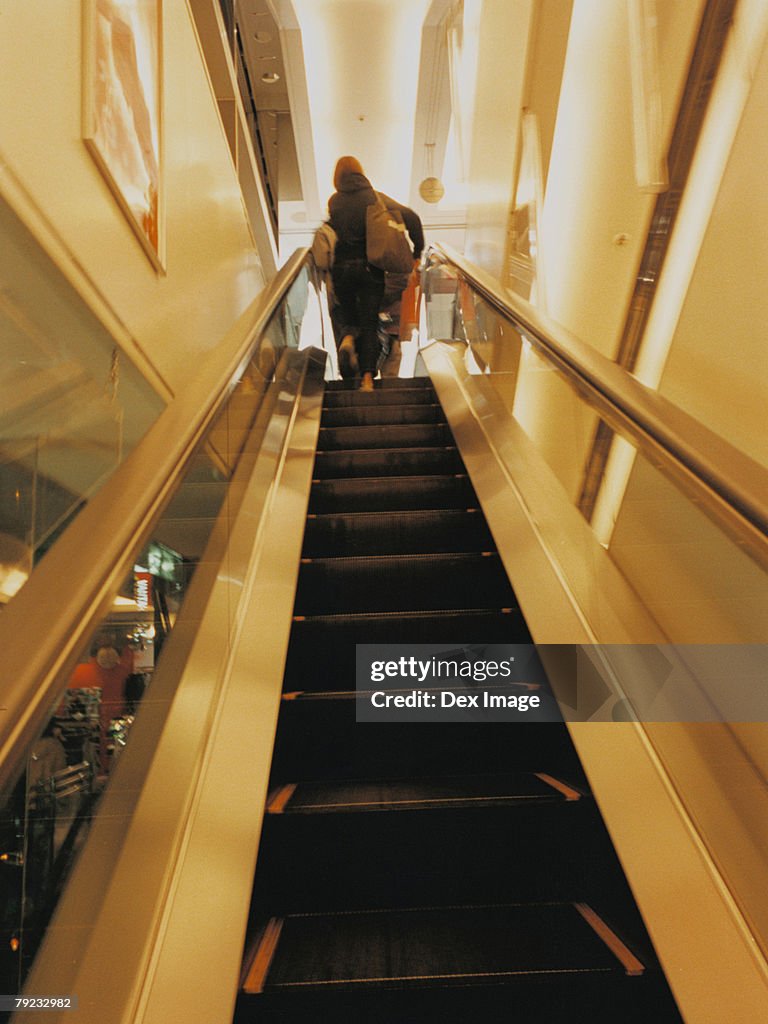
[718, 362]
[168, 321]
[693, 579]
[592, 200]
[502, 53]
[709, 322]
[594, 219]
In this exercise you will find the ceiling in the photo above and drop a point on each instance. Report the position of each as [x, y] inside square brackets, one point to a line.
[366, 77]
[259, 37]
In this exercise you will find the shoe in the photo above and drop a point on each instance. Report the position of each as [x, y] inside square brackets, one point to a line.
[367, 384]
[348, 365]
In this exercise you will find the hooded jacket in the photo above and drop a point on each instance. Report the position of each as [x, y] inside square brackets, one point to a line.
[347, 209]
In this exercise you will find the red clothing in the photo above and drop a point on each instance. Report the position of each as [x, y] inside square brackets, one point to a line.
[111, 682]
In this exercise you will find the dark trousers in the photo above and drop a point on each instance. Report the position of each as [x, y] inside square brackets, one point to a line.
[359, 289]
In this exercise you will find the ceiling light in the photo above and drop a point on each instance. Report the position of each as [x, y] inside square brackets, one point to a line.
[262, 37]
[270, 77]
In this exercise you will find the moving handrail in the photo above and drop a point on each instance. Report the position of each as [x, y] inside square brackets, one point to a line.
[43, 629]
[727, 482]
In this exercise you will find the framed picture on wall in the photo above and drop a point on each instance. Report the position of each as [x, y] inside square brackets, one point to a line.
[122, 109]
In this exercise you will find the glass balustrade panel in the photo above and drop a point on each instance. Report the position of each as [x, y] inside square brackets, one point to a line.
[60, 781]
[695, 578]
[72, 405]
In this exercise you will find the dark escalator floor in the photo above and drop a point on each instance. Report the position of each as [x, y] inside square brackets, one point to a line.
[413, 871]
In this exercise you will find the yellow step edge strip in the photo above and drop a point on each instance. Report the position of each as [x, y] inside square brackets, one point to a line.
[568, 792]
[625, 956]
[262, 960]
[278, 799]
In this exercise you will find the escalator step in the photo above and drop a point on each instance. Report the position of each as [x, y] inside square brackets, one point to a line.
[354, 797]
[382, 462]
[376, 859]
[320, 738]
[375, 415]
[387, 396]
[386, 435]
[591, 997]
[557, 962]
[385, 384]
[441, 947]
[402, 583]
[369, 533]
[382, 494]
[321, 652]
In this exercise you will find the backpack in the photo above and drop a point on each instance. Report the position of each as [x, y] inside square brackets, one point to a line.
[386, 242]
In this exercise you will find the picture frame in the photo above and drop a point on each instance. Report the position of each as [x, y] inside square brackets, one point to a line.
[122, 110]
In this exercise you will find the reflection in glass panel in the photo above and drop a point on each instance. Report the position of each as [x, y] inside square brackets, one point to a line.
[555, 416]
[72, 406]
[440, 299]
[455, 311]
[523, 254]
[46, 815]
[45, 819]
[698, 582]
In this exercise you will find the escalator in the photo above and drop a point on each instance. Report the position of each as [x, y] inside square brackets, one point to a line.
[423, 871]
[407, 870]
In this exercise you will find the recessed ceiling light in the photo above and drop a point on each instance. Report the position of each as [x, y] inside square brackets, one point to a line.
[262, 37]
[270, 77]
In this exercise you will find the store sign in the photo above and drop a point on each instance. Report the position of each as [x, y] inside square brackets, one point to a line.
[142, 590]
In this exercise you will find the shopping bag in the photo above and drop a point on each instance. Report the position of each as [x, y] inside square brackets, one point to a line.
[324, 246]
[409, 306]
